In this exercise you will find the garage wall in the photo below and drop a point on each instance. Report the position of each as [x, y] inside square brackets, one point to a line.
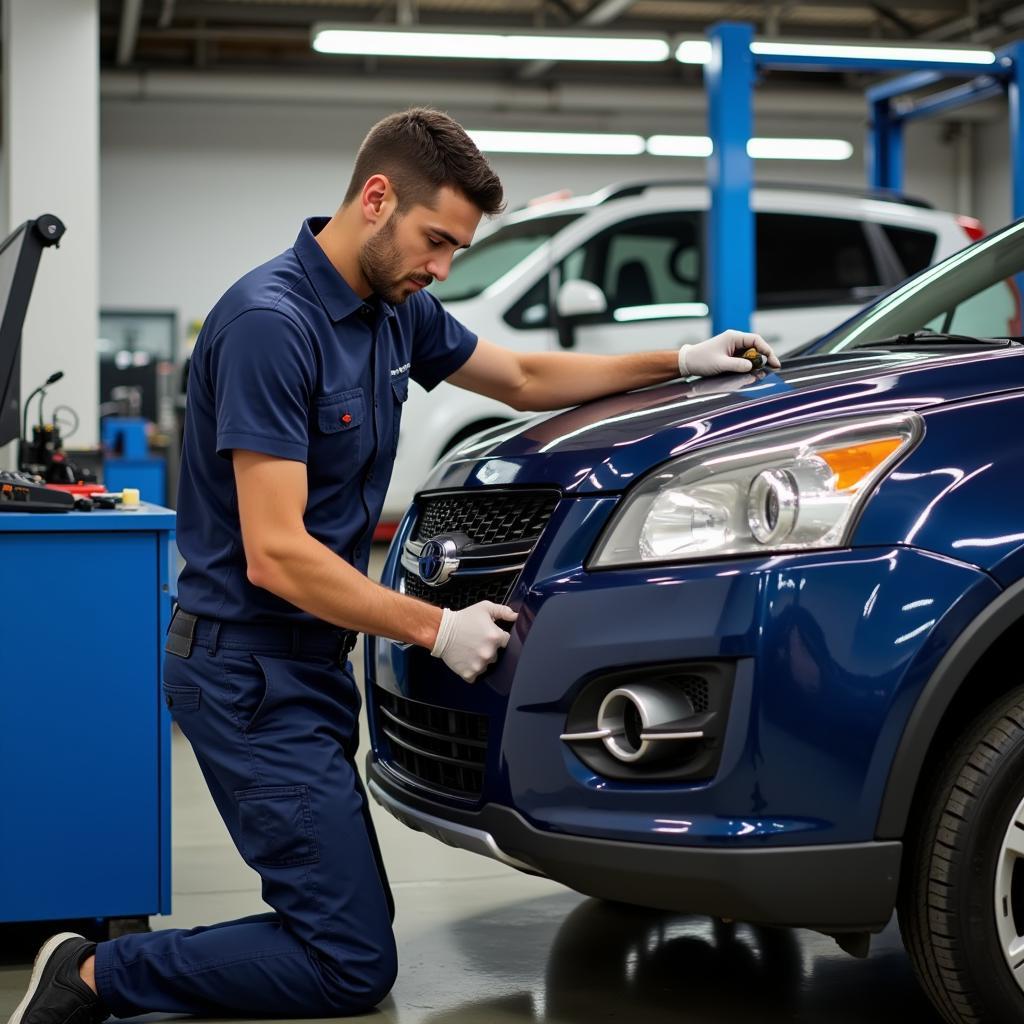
[194, 194]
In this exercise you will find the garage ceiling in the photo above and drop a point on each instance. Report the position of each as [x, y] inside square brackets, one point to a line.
[273, 36]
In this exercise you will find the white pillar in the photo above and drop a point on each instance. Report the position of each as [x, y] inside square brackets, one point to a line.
[964, 163]
[51, 165]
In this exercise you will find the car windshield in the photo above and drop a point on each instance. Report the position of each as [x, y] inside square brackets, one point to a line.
[480, 266]
[970, 295]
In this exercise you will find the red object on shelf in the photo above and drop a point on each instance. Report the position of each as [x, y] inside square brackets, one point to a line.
[80, 490]
[385, 532]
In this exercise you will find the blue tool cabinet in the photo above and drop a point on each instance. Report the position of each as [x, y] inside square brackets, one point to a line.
[85, 808]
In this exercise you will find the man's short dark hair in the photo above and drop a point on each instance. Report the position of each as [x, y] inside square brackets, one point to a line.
[421, 151]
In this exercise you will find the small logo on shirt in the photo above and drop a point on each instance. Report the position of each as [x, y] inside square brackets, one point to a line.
[400, 370]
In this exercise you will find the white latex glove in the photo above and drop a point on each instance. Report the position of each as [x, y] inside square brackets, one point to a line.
[468, 641]
[720, 354]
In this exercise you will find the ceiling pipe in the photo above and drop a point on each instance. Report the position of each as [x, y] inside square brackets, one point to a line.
[166, 14]
[603, 12]
[599, 104]
[406, 13]
[131, 14]
[971, 25]
[1006, 22]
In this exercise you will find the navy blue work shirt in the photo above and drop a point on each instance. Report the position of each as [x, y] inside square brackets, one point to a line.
[292, 363]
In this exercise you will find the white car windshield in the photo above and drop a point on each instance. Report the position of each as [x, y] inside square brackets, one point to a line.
[495, 255]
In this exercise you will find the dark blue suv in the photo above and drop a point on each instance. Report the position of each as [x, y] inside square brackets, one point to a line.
[766, 661]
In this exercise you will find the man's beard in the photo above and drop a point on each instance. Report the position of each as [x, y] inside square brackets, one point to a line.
[379, 259]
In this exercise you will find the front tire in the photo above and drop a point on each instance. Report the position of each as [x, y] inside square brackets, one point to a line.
[961, 905]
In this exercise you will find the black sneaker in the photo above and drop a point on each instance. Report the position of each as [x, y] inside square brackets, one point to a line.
[56, 993]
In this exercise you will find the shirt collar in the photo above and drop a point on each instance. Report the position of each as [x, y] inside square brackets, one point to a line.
[331, 288]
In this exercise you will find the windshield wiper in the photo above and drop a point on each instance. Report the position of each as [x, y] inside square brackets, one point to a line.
[929, 337]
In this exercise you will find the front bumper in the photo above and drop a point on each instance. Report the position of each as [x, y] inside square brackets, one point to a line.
[844, 887]
[829, 651]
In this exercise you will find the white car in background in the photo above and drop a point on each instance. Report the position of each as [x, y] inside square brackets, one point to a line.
[622, 270]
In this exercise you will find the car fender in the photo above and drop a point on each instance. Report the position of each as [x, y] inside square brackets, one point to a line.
[936, 696]
[957, 493]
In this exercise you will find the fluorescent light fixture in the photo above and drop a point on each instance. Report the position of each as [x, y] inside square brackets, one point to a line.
[799, 149]
[590, 144]
[487, 46]
[758, 149]
[694, 51]
[679, 145]
[660, 311]
[698, 51]
[612, 144]
[926, 53]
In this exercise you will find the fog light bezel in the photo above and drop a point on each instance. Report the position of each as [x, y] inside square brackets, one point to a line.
[688, 760]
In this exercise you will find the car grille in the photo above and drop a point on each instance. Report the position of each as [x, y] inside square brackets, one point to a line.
[440, 748]
[458, 593]
[490, 518]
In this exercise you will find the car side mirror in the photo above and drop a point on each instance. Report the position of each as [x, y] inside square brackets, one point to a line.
[580, 298]
[576, 301]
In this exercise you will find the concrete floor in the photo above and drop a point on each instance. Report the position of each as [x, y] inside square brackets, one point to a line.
[483, 944]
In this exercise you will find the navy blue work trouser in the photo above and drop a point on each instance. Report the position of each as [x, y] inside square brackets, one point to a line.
[275, 733]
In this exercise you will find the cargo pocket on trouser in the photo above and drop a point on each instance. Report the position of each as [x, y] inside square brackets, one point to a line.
[181, 698]
[276, 826]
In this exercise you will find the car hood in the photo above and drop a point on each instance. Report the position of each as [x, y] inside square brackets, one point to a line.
[604, 445]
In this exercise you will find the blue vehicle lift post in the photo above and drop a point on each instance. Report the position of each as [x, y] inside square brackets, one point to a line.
[729, 80]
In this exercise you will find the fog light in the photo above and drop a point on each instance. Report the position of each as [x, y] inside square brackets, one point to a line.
[632, 721]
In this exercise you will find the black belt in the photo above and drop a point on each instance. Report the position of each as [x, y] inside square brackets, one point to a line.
[298, 640]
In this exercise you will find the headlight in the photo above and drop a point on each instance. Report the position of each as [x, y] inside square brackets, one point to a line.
[790, 490]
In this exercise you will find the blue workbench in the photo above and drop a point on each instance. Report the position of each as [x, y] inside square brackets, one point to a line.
[85, 808]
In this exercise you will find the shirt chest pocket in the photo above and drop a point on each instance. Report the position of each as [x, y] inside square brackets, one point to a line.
[400, 390]
[341, 433]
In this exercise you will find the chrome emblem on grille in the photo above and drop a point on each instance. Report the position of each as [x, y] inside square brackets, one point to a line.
[438, 560]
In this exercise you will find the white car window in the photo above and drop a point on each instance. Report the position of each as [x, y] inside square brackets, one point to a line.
[915, 248]
[650, 261]
[495, 255]
[813, 261]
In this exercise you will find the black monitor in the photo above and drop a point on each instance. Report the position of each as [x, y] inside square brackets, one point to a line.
[19, 260]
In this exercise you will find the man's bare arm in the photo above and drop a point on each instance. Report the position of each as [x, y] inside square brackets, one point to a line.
[283, 558]
[537, 381]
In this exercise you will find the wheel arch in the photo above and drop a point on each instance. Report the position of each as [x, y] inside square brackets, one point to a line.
[945, 699]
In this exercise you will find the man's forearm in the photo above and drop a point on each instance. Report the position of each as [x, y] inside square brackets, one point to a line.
[555, 380]
[310, 576]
